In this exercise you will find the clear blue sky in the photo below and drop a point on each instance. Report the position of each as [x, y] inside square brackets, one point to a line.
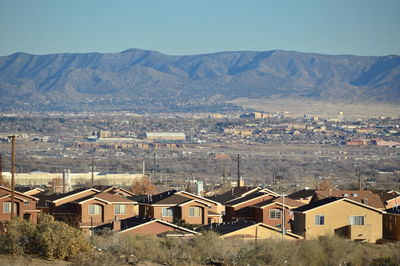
[362, 27]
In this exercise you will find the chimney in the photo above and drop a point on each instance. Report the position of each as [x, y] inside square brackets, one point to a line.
[116, 225]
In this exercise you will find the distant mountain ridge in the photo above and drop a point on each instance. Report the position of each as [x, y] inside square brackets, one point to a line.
[148, 81]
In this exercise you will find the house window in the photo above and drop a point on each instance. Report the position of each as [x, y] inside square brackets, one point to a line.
[26, 202]
[275, 214]
[320, 219]
[7, 207]
[94, 209]
[120, 209]
[167, 212]
[357, 220]
[194, 211]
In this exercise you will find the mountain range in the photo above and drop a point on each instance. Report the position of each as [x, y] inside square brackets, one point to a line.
[149, 81]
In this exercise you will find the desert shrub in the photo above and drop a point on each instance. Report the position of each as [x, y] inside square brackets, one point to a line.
[18, 237]
[50, 238]
[56, 239]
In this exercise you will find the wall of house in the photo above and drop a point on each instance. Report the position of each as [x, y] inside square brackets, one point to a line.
[218, 208]
[336, 221]
[260, 231]
[299, 224]
[391, 226]
[232, 212]
[202, 219]
[22, 209]
[262, 216]
[107, 214]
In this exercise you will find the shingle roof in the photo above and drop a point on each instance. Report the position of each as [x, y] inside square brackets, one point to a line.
[288, 202]
[107, 197]
[388, 196]
[63, 195]
[232, 194]
[151, 199]
[304, 193]
[316, 204]
[227, 227]
[246, 198]
[395, 210]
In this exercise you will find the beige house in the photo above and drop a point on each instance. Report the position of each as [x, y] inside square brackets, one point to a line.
[338, 216]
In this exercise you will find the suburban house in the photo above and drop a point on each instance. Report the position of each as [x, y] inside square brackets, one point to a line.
[145, 226]
[391, 224]
[240, 208]
[338, 216]
[174, 205]
[270, 212]
[248, 230]
[24, 205]
[90, 207]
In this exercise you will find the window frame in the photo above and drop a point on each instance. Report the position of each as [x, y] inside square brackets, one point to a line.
[319, 219]
[117, 209]
[357, 220]
[9, 207]
[95, 207]
[167, 212]
[273, 214]
[194, 208]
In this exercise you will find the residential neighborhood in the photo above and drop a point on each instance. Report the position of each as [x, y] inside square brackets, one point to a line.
[244, 212]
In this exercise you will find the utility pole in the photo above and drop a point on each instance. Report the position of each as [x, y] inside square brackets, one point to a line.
[1, 170]
[93, 168]
[238, 170]
[359, 179]
[223, 173]
[12, 138]
[154, 166]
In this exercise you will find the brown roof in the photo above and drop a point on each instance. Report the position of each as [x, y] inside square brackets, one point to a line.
[389, 195]
[363, 196]
[107, 197]
[302, 194]
[288, 202]
[174, 199]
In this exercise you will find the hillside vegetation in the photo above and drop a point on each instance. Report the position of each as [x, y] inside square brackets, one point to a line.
[52, 239]
[148, 81]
